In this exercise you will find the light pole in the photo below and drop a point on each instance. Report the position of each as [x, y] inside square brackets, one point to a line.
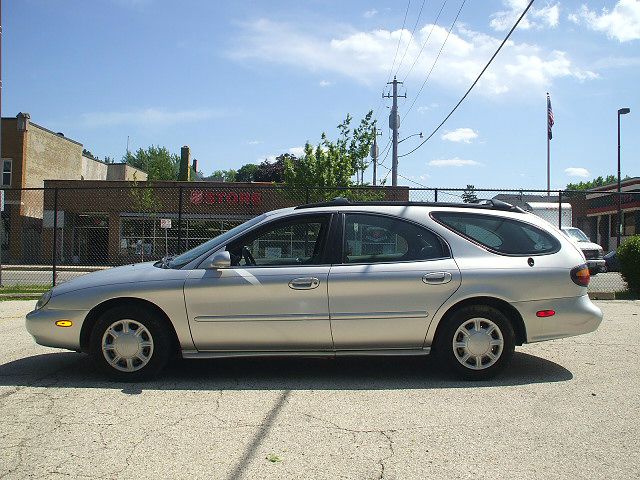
[622, 111]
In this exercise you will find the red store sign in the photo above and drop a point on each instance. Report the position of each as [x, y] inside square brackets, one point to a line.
[208, 197]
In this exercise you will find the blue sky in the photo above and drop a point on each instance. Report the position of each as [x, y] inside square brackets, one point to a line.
[243, 81]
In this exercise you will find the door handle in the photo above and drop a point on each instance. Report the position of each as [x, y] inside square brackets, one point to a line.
[436, 278]
[304, 283]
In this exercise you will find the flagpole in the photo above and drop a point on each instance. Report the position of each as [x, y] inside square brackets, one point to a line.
[548, 166]
[548, 152]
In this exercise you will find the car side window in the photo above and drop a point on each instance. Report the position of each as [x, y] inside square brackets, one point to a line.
[377, 239]
[284, 243]
[499, 234]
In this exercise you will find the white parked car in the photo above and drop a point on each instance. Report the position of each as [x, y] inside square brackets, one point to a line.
[593, 252]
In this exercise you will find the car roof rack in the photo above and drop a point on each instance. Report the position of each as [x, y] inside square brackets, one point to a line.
[488, 204]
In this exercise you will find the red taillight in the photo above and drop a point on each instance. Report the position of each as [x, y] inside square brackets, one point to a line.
[545, 313]
[580, 275]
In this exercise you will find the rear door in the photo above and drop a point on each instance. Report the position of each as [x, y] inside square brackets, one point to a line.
[392, 278]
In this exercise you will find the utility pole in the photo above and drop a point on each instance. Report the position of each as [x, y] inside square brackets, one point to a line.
[375, 152]
[1, 163]
[394, 125]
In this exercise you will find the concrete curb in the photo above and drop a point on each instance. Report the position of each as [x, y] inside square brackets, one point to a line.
[602, 295]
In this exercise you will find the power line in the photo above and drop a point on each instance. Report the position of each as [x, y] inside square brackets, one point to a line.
[474, 82]
[424, 44]
[411, 36]
[399, 40]
[393, 64]
[435, 61]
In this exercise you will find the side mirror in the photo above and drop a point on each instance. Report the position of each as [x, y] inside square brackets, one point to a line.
[219, 260]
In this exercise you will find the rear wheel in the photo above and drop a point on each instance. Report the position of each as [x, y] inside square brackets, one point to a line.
[476, 342]
[130, 343]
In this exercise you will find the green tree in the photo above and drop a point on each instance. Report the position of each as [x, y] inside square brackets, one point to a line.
[274, 171]
[247, 173]
[87, 153]
[628, 254]
[469, 194]
[327, 169]
[156, 161]
[596, 182]
[222, 176]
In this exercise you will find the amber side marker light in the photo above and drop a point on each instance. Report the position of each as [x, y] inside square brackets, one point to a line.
[580, 275]
[64, 323]
[545, 313]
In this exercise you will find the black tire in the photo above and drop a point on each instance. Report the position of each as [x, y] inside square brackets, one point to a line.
[157, 332]
[449, 356]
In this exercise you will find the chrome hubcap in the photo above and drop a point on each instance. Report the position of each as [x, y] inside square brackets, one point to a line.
[127, 345]
[478, 343]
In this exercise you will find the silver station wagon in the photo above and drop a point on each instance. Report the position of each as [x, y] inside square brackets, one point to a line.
[467, 282]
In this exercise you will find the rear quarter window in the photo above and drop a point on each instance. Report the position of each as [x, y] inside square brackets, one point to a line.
[498, 234]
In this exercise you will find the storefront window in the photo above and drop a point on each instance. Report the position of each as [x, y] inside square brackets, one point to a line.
[144, 238]
[199, 231]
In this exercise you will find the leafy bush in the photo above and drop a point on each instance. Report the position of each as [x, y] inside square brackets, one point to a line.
[629, 257]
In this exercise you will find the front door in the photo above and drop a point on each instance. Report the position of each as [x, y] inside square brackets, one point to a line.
[393, 277]
[273, 298]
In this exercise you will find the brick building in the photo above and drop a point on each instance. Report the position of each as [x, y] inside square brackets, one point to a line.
[602, 212]
[32, 154]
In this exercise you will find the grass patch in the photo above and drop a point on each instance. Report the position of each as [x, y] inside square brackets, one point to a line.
[23, 289]
[22, 292]
[626, 295]
[20, 297]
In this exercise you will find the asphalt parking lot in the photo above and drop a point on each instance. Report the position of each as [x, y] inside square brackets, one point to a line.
[564, 409]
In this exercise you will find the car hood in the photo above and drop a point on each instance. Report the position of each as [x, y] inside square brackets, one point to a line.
[140, 272]
[588, 246]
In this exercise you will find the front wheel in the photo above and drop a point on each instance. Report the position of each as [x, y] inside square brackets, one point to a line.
[130, 343]
[476, 342]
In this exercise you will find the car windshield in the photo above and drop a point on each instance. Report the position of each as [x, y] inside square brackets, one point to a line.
[189, 255]
[577, 234]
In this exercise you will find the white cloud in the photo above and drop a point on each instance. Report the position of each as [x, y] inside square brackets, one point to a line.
[370, 13]
[621, 23]
[425, 108]
[146, 117]
[453, 162]
[460, 135]
[297, 151]
[366, 56]
[325, 83]
[577, 172]
[254, 142]
[547, 16]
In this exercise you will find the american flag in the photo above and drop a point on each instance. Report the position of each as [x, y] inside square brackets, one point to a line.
[549, 117]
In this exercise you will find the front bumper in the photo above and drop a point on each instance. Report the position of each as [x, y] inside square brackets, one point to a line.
[574, 316]
[41, 324]
[597, 266]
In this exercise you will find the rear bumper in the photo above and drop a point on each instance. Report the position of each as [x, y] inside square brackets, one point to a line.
[574, 316]
[41, 324]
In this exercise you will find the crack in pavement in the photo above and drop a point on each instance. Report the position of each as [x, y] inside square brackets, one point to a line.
[386, 433]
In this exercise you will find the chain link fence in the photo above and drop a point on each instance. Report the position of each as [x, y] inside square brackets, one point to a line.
[49, 235]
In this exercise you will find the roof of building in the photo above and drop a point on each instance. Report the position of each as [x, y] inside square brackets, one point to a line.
[522, 200]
